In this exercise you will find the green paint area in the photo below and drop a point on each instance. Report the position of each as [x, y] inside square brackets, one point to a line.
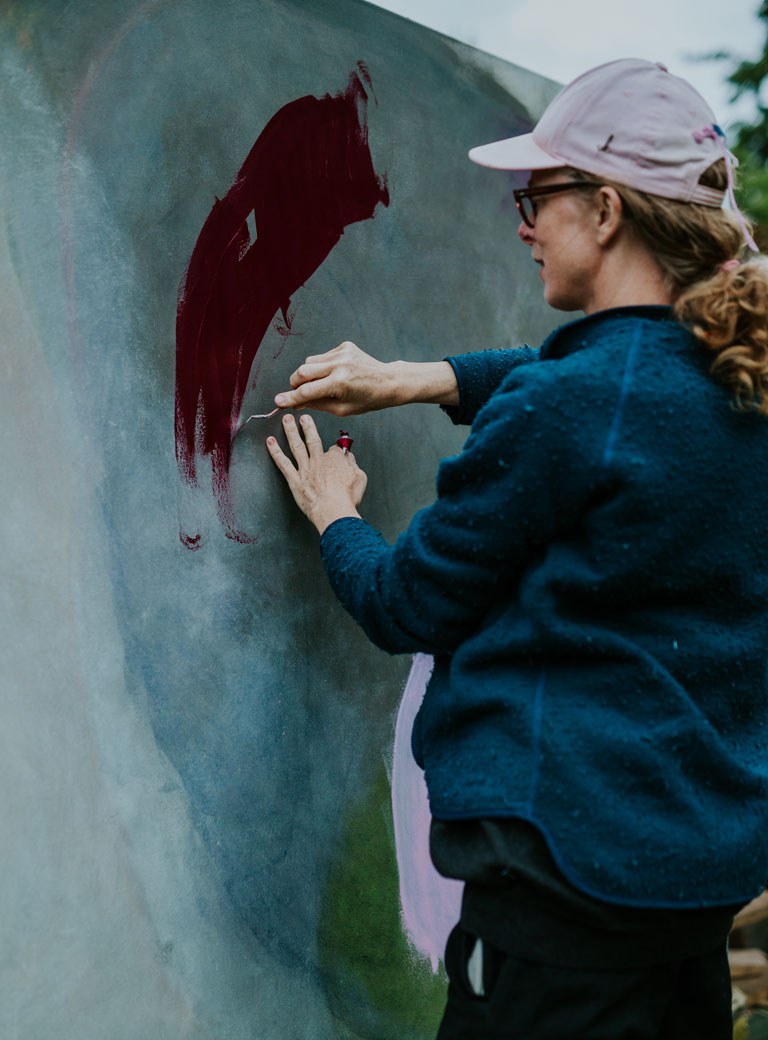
[377, 987]
[752, 1025]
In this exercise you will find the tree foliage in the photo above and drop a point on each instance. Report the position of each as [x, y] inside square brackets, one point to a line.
[751, 143]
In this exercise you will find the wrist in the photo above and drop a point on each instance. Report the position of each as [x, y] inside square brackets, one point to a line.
[432, 382]
[327, 513]
[401, 383]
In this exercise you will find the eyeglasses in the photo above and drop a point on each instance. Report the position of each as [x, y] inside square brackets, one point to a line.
[525, 200]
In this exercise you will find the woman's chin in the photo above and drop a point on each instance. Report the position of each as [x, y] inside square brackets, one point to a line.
[561, 301]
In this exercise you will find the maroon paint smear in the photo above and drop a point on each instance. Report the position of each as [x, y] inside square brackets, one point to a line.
[308, 176]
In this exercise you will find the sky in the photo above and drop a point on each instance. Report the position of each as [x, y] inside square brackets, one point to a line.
[562, 38]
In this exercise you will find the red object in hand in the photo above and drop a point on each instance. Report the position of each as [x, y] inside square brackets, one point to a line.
[344, 441]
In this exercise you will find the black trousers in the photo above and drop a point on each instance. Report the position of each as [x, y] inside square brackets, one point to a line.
[521, 999]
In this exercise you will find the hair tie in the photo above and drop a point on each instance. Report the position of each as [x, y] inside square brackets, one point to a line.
[730, 265]
[731, 162]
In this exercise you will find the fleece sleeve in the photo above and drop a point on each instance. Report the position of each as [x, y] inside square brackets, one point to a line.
[527, 472]
[479, 375]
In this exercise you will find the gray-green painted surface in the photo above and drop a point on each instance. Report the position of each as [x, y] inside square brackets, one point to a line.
[192, 744]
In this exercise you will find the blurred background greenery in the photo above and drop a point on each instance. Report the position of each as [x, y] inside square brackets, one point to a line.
[750, 79]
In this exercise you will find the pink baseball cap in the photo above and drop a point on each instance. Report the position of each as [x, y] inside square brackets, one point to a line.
[630, 121]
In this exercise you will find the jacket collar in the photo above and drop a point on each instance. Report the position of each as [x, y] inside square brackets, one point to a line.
[574, 336]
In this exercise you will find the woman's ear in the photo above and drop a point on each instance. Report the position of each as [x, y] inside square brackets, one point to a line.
[608, 214]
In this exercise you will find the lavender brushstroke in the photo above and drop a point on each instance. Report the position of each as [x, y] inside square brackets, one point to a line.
[429, 903]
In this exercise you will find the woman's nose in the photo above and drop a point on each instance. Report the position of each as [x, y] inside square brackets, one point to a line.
[525, 233]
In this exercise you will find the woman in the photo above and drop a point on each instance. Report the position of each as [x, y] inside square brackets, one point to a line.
[592, 580]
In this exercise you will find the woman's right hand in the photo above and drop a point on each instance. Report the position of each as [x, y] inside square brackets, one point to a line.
[343, 381]
[347, 381]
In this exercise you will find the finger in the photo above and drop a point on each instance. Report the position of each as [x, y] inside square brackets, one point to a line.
[295, 442]
[358, 469]
[307, 393]
[325, 404]
[348, 457]
[307, 373]
[329, 355]
[311, 436]
[281, 460]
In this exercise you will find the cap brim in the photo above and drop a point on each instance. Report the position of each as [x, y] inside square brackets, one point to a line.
[515, 153]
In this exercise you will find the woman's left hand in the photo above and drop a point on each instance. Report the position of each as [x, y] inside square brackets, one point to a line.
[326, 485]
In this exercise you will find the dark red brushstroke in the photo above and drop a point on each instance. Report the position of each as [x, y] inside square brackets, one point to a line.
[308, 176]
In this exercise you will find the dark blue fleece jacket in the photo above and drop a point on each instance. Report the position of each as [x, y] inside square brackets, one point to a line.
[593, 582]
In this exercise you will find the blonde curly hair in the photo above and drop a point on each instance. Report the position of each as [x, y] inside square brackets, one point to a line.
[726, 310]
[728, 313]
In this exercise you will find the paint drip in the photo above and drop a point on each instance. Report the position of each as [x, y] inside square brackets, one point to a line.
[308, 176]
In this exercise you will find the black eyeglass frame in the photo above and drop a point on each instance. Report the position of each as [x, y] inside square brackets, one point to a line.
[523, 195]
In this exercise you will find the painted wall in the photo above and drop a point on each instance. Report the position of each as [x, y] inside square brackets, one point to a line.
[195, 753]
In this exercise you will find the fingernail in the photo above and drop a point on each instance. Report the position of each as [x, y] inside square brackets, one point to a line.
[288, 419]
[305, 419]
[280, 399]
[271, 441]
